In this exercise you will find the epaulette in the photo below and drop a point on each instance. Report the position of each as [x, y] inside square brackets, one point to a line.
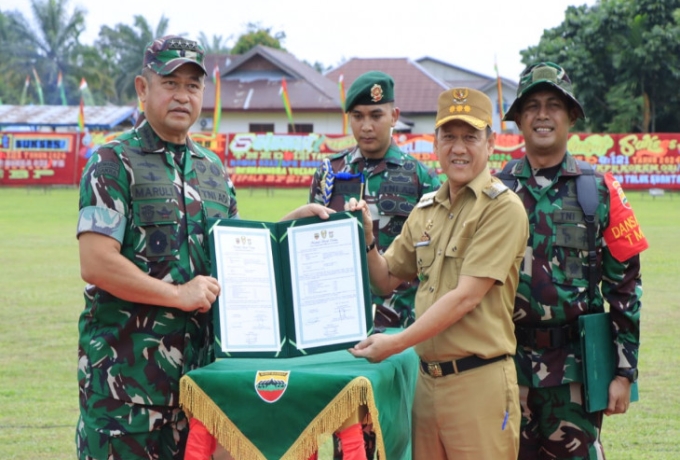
[426, 200]
[494, 190]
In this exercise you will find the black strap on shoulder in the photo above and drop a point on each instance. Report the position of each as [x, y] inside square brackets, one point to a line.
[588, 199]
[508, 179]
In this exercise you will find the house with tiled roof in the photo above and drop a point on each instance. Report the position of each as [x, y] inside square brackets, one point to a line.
[250, 95]
[455, 76]
[415, 89]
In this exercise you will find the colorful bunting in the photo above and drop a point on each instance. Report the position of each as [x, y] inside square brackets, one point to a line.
[81, 116]
[22, 101]
[341, 87]
[38, 87]
[217, 115]
[85, 93]
[286, 102]
[62, 92]
[501, 111]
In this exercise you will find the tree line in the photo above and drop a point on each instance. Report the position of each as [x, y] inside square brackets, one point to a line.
[623, 57]
[37, 52]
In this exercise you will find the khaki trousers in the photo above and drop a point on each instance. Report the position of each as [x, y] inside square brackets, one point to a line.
[463, 416]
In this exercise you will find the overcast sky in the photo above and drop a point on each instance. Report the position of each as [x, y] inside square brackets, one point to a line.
[466, 33]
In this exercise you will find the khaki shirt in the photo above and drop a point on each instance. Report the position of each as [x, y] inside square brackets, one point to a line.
[482, 234]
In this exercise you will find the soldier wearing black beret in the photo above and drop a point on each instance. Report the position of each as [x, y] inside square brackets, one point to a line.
[391, 182]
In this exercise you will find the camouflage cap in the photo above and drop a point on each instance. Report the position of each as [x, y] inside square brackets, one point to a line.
[465, 104]
[371, 88]
[542, 74]
[166, 54]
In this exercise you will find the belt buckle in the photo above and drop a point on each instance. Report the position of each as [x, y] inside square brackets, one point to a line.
[434, 369]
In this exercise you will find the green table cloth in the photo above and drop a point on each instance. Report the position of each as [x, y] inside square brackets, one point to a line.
[284, 408]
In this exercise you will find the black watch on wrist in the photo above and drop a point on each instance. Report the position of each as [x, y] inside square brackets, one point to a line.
[370, 247]
[631, 373]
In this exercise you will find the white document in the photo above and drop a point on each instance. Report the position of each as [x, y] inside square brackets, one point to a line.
[249, 318]
[327, 283]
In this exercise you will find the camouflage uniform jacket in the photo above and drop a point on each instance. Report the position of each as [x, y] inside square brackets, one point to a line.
[392, 188]
[132, 190]
[553, 286]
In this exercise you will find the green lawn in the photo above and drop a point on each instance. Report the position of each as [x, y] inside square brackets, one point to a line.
[41, 298]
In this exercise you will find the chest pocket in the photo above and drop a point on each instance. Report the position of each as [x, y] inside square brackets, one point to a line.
[213, 188]
[398, 193]
[154, 206]
[570, 247]
[158, 219]
[454, 256]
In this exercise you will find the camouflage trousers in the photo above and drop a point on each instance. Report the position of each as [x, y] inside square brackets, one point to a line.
[556, 426]
[165, 443]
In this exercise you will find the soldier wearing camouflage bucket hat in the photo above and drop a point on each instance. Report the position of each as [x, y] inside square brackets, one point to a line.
[390, 181]
[573, 265]
[464, 243]
[142, 232]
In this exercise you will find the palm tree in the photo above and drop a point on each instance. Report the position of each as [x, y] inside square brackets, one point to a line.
[217, 45]
[50, 45]
[13, 64]
[124, 47]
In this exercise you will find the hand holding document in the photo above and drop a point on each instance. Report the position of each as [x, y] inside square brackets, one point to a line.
[290, 288]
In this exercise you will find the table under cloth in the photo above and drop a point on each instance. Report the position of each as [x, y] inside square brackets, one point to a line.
[236, 399]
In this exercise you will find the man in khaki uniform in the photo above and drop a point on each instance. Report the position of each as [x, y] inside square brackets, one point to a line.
[465, 244]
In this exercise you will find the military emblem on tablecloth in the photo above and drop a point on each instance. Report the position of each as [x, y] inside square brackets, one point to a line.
[270, 385]
[376, 93]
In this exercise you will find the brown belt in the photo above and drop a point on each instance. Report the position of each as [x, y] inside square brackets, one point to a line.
[457, 366]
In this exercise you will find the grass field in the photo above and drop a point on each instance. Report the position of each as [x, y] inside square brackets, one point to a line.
[41, 298]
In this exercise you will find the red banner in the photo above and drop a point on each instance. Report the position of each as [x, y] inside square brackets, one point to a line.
[37, 158]
[637, 161]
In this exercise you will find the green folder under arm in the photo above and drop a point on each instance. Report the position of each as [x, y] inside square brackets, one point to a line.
[599, 360]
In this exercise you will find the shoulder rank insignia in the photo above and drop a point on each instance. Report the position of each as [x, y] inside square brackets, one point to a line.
[494, 190]
[426, 200]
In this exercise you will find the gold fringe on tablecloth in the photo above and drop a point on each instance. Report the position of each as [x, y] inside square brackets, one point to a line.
[356, 393]
[216, 422]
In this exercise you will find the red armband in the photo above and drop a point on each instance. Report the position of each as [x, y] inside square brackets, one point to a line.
[624, 236]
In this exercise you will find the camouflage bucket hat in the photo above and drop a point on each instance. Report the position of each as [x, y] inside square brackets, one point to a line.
[166, 54]
[543, 74]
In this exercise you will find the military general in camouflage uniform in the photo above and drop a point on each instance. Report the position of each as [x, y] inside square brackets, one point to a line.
[144, 203]
[556, 273]
[376, 170]
[144, 200]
